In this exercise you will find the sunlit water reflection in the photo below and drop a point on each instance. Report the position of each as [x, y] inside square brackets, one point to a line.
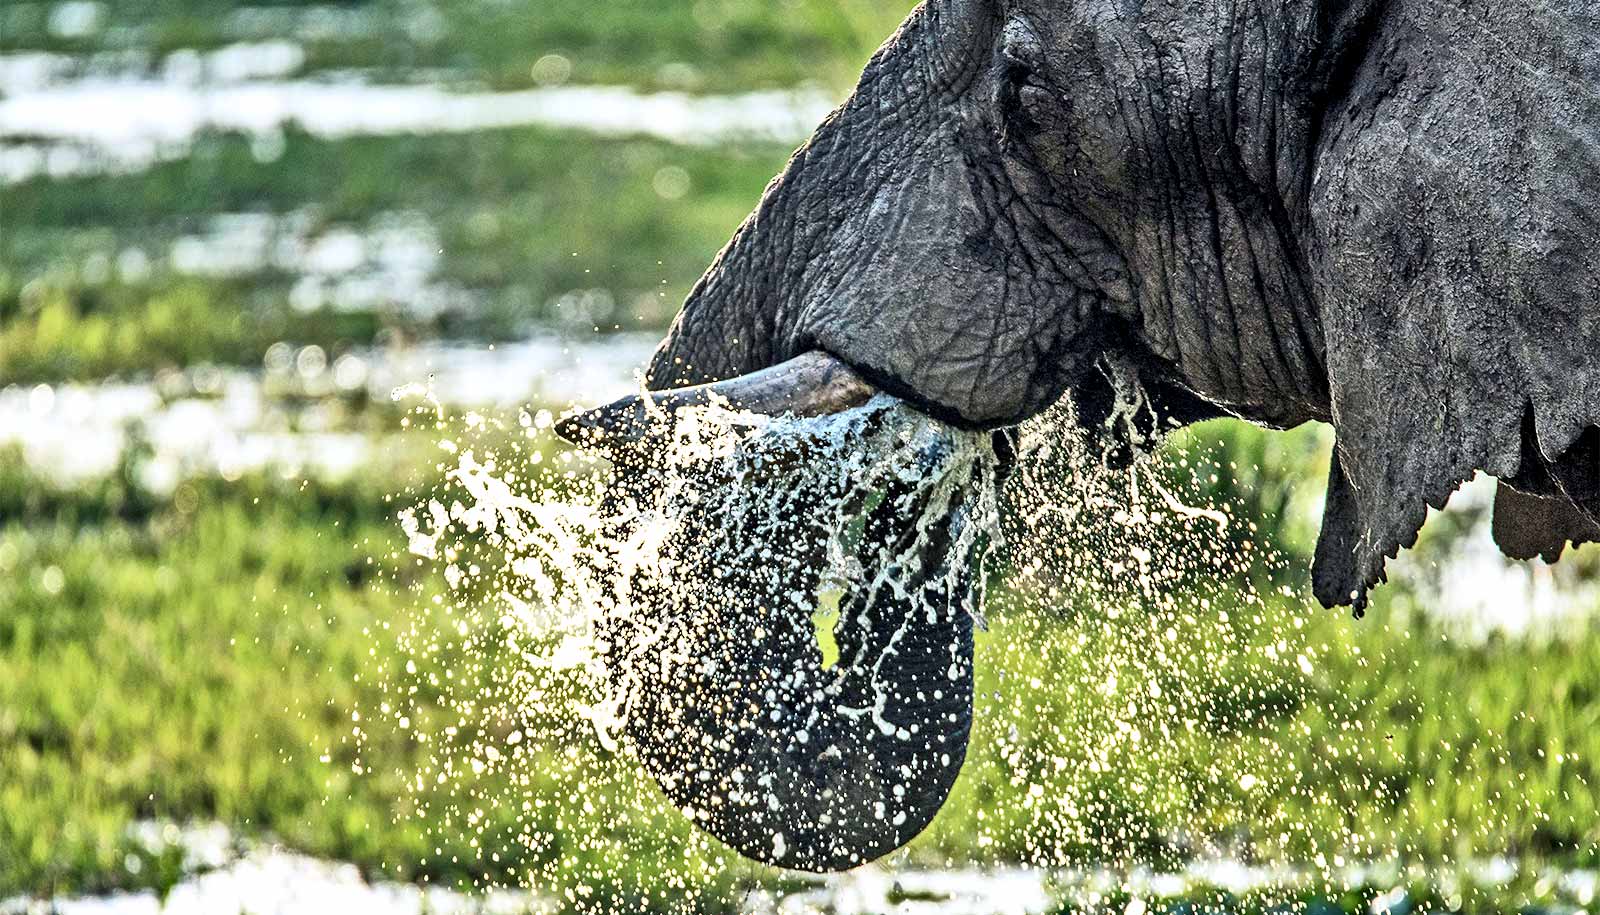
[61, 117]
[289, 416]
[231, 874]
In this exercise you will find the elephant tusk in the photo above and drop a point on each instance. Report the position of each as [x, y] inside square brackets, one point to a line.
[812, 384]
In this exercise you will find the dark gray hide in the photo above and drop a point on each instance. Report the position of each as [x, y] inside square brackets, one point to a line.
[1377, 213]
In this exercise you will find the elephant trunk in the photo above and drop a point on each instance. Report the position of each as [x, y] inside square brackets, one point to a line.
[798, 765]
[727, 699]
[867, 248]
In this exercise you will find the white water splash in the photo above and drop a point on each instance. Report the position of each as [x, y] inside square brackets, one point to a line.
[578, 558]
[632, 603]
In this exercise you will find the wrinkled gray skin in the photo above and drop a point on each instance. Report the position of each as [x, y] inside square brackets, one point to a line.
[1380, 214]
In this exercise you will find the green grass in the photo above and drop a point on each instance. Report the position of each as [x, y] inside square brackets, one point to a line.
[523, 217]
[1379, 739]
[1405, 894]
[195, 657]
[73, 331]
[730, 44]
[1399, 743]
[202, 659]
[153, 671]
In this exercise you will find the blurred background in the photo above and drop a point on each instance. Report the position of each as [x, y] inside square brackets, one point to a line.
[230, 230]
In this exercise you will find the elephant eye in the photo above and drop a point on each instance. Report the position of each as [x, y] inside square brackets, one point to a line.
[1022, 96]
[1022, 100]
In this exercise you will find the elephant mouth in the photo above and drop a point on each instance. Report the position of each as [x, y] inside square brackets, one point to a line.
[791, 758]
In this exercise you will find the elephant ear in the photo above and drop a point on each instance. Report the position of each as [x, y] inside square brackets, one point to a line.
[1453, 242]
[1527, 525]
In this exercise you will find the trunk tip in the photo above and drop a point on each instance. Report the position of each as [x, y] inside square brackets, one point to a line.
[610, 425]
[573, 428]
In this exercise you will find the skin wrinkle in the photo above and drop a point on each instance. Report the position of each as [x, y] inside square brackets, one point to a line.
[1129, 110]
[1235, 65]
[1307, 332]
[1173, 167]
[1242, 234]
[862, 169]
[999, 315]
[1209, 351]
[1229, 107]
[1013, 204]
[1286, 361]
[1271, 87]
[992, 339]
[1284, 365]
[837, 277]
[1234, 384]
[1287, 239]
[1218, 260]
[1026, 252]
[1013, 200]
[1162, 275]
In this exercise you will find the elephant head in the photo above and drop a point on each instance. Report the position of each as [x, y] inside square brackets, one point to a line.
[1378, 214]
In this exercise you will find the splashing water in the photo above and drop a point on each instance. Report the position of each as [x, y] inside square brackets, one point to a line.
[745, 587]
[743, 592]
[733, 509]
[595, 607]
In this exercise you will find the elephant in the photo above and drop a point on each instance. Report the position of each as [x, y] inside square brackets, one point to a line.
[1383, 215]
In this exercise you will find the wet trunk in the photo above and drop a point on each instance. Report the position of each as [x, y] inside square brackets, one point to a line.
[729, 705]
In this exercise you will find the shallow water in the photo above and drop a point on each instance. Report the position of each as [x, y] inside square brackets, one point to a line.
[62, 117]
[288, 415]
[230, 874]
[389, 264]
[227, 873]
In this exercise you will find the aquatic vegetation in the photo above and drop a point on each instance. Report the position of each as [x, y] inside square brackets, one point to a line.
[729, 43]
[95, 276]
